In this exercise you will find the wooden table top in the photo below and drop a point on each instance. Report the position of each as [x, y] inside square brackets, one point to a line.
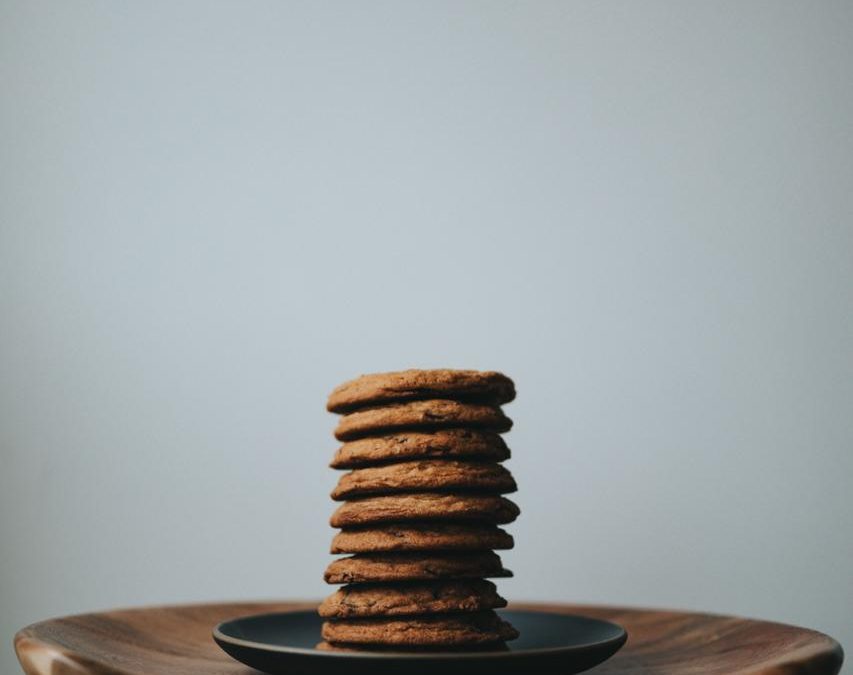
[177, 640]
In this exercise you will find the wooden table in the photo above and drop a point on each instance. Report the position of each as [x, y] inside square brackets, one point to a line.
[176, 640]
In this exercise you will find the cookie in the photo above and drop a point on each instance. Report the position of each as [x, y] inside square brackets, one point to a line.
[343, 647]
[443, 443]
[429, 414]
[379, 388]
[421, 537]
[426, 475]
[409, 599]
[451, 629]
[384, 567]
[425, 506]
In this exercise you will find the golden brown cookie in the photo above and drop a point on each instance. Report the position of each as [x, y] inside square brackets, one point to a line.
[421, 537]
[409, 599]
[379, 388]
[384, 567]
[425, 506]
[448, 629]
[430, 414]
[425, 475]
[408, 445]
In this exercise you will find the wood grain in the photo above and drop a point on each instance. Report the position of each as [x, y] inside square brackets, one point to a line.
[177, 640]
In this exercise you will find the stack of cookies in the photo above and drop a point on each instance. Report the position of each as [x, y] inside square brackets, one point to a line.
[422, 504]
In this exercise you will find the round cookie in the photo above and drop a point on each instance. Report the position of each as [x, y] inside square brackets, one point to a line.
[427, 475]
[378, 388]
[343, 647]
[421, 537]
[430, 414]
[442, 443]
[408, 599]
[390, 567]
[453, 629]
[425, 506]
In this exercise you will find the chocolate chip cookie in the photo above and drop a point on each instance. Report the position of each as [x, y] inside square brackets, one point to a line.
[409, 599]
[408, 445]
[429, 414]
[448, 629]
[425, 506]
[420, 649]
[421, 537]
[425, 475]
[391, 567]
[379, 388]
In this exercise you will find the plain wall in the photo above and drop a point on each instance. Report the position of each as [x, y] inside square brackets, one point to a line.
[214, 212]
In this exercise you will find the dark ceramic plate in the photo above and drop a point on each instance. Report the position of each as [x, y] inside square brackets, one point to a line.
[283, 644]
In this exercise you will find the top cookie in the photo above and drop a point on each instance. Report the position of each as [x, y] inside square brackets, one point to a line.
[406, 385]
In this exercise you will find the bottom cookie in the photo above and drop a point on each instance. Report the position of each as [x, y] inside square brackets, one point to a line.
[420, 631]
[343, 647]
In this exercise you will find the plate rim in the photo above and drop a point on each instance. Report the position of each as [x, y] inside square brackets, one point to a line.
[219, 637]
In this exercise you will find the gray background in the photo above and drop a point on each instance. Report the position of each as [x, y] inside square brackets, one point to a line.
[214, 212]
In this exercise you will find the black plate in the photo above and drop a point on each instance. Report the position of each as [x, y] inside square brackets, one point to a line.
[283, 644]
